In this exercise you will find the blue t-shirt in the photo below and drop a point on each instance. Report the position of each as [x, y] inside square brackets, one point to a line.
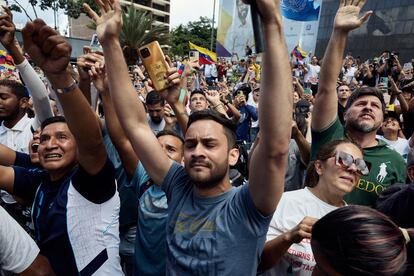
[75, 218]
[220, 235]
[247, 114]
[150, 245]
[129, 204]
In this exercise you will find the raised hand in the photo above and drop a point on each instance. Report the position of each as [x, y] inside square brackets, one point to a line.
[301, 231]
[46, 47]
[98, 77]
[109, 23]
[347, 17]
[269, 10]
[7, 29]
[213, 97]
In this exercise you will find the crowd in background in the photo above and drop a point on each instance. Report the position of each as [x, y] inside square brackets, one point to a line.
[268, 164]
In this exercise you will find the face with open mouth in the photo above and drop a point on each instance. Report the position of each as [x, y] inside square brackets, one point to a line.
[34, 146]
[57, 148]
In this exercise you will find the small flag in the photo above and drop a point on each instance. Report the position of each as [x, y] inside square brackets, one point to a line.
[206, 56]
[181, 69]
[299, 53]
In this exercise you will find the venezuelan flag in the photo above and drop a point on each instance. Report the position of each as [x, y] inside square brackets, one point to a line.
[299, 53]
[206, 56]
[181, 69]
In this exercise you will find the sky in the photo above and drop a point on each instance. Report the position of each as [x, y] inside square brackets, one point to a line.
[184, 11]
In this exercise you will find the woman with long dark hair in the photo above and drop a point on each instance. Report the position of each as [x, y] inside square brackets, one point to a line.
[357, 240]
[333, 174]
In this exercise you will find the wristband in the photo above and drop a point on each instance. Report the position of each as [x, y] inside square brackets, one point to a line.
[68, 89]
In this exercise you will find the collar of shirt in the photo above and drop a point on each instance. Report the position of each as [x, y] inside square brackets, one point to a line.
[20, 126]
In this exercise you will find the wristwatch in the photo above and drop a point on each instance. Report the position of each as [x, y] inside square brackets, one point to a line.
[68, 89]
[144, 79]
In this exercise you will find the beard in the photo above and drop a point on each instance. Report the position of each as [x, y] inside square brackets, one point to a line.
[361, 126]
[156, 120]
[216, 174]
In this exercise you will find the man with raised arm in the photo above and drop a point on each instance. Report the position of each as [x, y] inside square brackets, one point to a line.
[364, 113]
[212, 228]
[75, 203]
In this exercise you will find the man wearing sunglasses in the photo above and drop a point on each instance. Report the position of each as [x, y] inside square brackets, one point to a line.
[364, 113]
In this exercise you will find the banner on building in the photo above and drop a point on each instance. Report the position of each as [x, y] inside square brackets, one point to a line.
[235, 31]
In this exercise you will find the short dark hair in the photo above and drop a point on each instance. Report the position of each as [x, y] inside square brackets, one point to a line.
[154, 98]
[197, 91]
[18, 89]
[166, 132]
[366, 91]
[358, 240]
[52, 120]
[209, 114]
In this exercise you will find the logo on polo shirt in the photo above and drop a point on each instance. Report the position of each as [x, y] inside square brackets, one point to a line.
[382, 172]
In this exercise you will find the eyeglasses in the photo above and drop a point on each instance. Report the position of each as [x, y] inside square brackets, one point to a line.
[346, 160]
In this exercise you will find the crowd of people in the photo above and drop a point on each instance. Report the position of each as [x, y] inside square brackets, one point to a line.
[267, 165]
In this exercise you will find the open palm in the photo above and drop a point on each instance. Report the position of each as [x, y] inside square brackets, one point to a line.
[109, 23]
[347, 17]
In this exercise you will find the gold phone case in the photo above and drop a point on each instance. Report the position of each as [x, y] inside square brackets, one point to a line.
[155, 65]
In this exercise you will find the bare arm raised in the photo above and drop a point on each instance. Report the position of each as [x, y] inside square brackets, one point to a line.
[52, 53]
[131, 112]
[269, 160]
[347, 19]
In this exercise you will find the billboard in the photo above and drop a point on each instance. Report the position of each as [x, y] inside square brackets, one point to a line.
[235, 31]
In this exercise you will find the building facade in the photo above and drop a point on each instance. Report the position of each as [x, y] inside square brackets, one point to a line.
[159, 9]
[391, 27]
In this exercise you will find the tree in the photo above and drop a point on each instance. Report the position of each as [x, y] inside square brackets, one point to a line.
[137, 30]
[72, 8]
[198, 32]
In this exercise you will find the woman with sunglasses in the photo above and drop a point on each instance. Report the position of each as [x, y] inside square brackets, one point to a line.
[334, 173]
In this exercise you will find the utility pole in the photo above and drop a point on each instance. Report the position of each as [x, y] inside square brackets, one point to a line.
[212, 26]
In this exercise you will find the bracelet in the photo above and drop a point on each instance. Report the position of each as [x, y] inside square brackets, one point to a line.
[66, 90]
[214, 107]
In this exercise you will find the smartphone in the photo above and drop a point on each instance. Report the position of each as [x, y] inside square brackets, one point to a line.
[155, 64]
[194, 56]
[384, 82]
[95, 45]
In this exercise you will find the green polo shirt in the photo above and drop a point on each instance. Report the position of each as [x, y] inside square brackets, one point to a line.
[387, 166]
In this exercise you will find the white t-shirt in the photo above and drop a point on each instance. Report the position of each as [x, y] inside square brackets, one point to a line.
[402, 146]
[313, 74]
[291, 210]
[17, 249]
[18, 137]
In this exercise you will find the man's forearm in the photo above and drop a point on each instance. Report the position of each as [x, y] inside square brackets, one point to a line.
[123, 94]
[332, 62]
[304, 147]
[181, 115]
[273, 251]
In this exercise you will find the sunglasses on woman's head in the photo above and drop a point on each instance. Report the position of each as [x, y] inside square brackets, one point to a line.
[346, 160]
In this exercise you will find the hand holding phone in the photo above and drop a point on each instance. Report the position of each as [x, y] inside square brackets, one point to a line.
[155, 64]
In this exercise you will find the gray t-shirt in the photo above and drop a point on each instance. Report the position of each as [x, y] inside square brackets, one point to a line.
[295, 170]
[221, 235]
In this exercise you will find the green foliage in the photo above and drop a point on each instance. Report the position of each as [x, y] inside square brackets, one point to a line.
[138, 30]
[198, 32]
[73, 8]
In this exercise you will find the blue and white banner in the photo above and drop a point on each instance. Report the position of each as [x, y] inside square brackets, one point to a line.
[300, 10]
[235, 31]
[301, 23]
